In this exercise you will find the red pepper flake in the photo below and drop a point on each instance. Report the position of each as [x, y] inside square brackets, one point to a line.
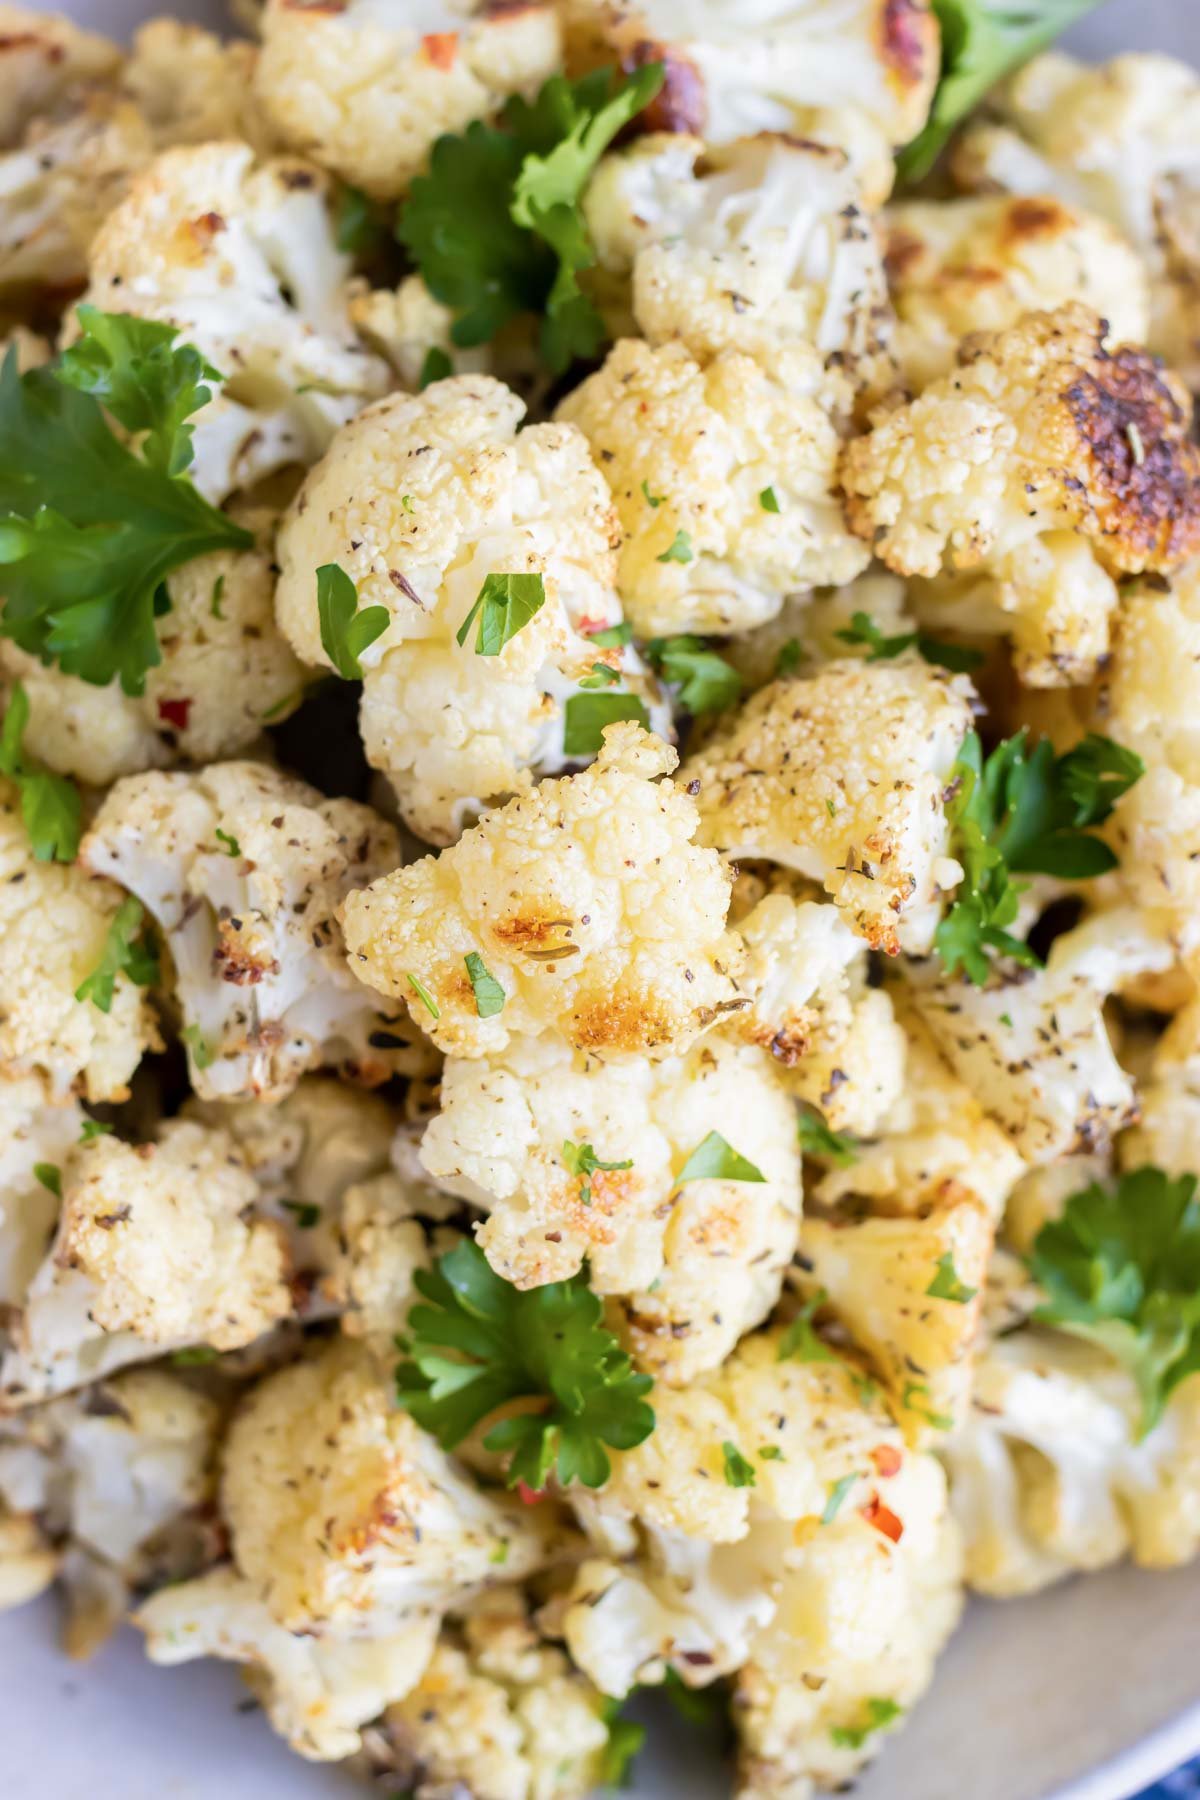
[887, 1460]
[883, 1519]
[441, 47]
[175, 713]
[530, 1496]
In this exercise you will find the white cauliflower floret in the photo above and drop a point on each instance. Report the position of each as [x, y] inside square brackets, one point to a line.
[586, 900]
[191, 87]
[383, 1240]
[318, 1692]
[800, 66]
[959, 266]
[366, 86]
[345, 1517]
[1122, 139]
[54, 922]
[1046, 464]
[724, 479]
[225, 670]
[244, 869]
[405, 323]
[152, 1252]
[695, 1265]
[241, 260]
[419, 501]
[28, 1560]
[498, 1714]
[749, 246]
[122, 1476]
[32, 1133]
[1050, 1474]
[45, 61]
[842, 778]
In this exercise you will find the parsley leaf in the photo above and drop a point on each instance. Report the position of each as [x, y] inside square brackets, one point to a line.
[601, 676]
[228, 842]
[715, 1160]
[424, 996]
[878, 1714]
[489, 995]
[50, 1176]
[305, 1213]
[946, 1284]
[199, 1049]
[982, 41]
[435, 366]
[915, 1399]
[706, 682]
[480, 1343]
[769, 500]
[613, 636]
[678, 550]
[504, 605]
[128, 950]
[50, 804]
[587, 716]
[582, 1160]
[346, 632]
[93, 1128]
[89, 527]
[801, 1342]
[357, 225]
[738, 1472]
[837, 1493]
[1121, 1267]
[791, 655]
[862, 629]
[816, 1139]
[625, 1739]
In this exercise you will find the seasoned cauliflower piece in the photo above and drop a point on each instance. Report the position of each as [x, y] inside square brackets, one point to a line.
[28, 1561]
[383, 1240]
[366, 86]
[1050, 1475]
[747, 246]
[420, 500]
[1122, 139]
[33, 1134]
[690, 454]
[589, 904]
[242, 261]
[405, 323]
[190, 87]
[318, 1692]
[151, 1253]
[797, 778]
[959, 266]
[498, 1714]
[225, 670]
[346, 1518]
[44, 61]
[696, 1265]
[244, 869]
[54, 922]
[1047, 464]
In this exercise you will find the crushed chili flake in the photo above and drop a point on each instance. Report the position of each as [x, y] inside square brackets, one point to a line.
[441, 47]
[175, 712]
[887, 1460]
[530, 1496]
[883, 1519]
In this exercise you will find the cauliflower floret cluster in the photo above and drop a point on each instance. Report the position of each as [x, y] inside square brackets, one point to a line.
[1046, 463]
[44, 61]
[421, 501]
[244, 870]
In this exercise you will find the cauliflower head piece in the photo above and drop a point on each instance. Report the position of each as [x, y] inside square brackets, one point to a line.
[587, 901]
[695, 456]
[33, 1134]
[29, 1562]
[840, 776]
[244, 868]
[240, 258]
[366, 88]
[45, 61]
[969, 479]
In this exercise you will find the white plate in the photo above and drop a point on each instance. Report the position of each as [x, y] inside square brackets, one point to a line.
[1088, 1692]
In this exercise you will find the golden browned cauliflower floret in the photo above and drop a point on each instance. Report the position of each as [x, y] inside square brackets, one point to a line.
[225, 669]
[44, 61]
[403, 324]
[191, 87]
[152, 1252]
[33, 1134]
[1122, 139]
[587, 902]
[244, 869]
[420, 500]
[241, 259]
[695, 1265]
[366, 87]
[498, 1714]
[841, 777]
[1051, 1473]
[746, 246]
[1046, 465]
[959, 266]
[54, 924]
[29, 1562]
[724, 479]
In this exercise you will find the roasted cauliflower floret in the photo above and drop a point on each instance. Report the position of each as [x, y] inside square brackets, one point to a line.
[225, 670]
[45, 61]
[244, 869]
[420, 501]
[28, 1560]
[1050, 1474]
[724, 480]
[242, 261]
[747, 246]
[345, 1517]
[403, 324]
[152, 1252]
[959, 266]
[33, 1134]
[586, 900]
[695, 1264]
[794, 777]
[1049, 466]
[54, 922]
[192, 88]
[366, 89]
[1122, 139]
